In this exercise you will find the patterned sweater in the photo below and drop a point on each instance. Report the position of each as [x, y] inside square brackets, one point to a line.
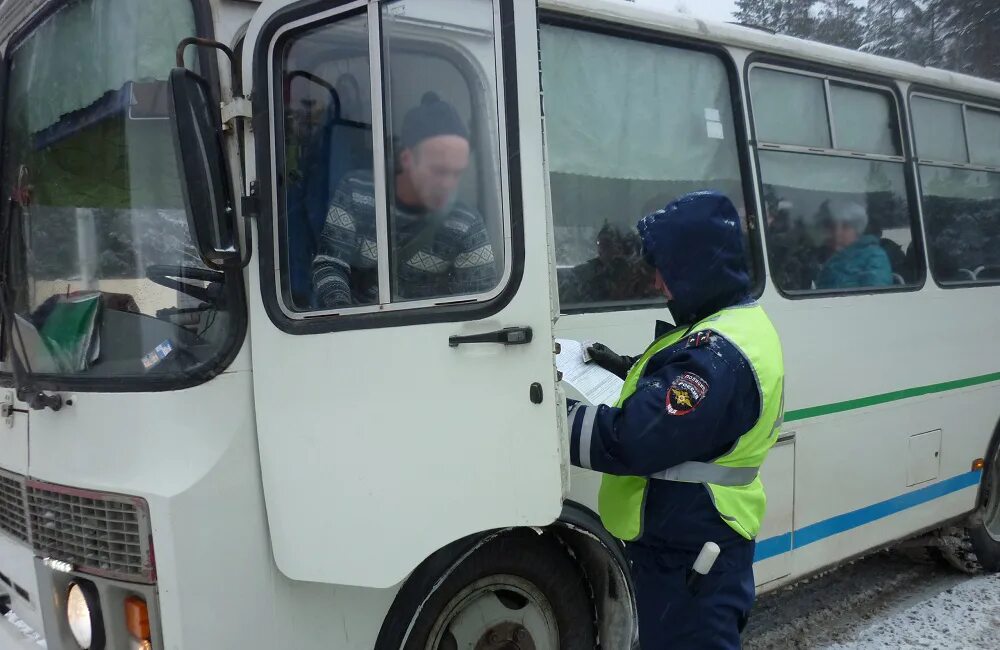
[456, 260]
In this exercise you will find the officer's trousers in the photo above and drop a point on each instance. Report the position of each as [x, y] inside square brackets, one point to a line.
[711, 615]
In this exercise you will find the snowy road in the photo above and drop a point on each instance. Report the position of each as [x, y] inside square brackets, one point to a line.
[890, 600]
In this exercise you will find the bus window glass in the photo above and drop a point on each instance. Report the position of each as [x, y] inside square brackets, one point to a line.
[864, 120]
[939, 131]
[789, 108]
[836, 223]
[962, 215]
[445, 229]
[103, 274]
[327, 110]
[837, 220]
[984, 136]
[630, 125]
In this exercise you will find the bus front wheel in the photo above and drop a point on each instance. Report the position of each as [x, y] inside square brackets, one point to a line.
[985, 531]
[520, 590]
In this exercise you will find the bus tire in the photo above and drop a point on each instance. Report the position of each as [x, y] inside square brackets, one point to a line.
[985, 529]
[518, 589]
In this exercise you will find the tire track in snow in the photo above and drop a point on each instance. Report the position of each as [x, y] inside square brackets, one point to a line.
[834, 607]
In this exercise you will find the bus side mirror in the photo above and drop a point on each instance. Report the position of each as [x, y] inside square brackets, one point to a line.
[208, 195]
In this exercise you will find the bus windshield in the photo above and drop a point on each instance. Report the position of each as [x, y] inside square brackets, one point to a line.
[102, 272]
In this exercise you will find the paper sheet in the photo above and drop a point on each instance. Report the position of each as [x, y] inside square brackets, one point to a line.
[594, 383]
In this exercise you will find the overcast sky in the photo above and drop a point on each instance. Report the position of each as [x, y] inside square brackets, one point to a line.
[720, 10]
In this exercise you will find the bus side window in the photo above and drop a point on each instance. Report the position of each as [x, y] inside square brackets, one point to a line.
[961, 204]
[443, 225]
[630, 125]
[443, 176]
[837, 213]
[327, 136]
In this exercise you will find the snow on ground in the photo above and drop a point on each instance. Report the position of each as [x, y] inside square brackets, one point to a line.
[965, 616]
[889, 600]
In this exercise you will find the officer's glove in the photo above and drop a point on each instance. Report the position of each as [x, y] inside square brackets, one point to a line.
[614, 363]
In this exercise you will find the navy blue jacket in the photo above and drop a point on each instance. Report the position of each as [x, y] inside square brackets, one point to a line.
[697, 245]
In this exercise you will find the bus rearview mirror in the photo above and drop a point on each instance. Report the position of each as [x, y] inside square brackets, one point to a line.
[208, 196]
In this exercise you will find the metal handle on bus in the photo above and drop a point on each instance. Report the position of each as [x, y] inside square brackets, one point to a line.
[506, 336]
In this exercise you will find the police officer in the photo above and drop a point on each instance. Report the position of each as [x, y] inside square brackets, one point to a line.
[681, 449]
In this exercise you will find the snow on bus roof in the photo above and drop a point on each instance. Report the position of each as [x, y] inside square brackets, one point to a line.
[13, 13]
[736, 35]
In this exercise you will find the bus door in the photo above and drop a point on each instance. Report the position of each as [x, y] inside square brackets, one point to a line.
[405, 392]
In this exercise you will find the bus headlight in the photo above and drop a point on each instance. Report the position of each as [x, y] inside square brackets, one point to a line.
[83, 614]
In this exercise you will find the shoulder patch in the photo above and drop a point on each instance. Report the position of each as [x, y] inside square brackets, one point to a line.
[701, 338]
[686, 392]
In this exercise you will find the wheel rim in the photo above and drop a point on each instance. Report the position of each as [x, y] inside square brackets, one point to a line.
[991, 517]
[500, 612]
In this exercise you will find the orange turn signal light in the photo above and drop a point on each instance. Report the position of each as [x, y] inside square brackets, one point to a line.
[137, 617]
[978, 464]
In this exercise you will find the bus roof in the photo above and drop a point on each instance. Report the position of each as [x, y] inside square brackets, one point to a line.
[13, 13]
[735, 35]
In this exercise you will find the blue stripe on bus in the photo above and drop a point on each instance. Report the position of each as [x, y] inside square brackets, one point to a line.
[780, 544]
[773, 546]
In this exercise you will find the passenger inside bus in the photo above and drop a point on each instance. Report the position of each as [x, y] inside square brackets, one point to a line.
[440, 247]
[795, 260]
[617, 273]
[857, 259]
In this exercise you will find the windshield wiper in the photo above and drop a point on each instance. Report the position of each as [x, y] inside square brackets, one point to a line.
[21, 372]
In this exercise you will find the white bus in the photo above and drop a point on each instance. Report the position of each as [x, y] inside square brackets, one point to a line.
[195, 453]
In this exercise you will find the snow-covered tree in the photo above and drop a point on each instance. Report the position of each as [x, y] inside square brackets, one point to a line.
[890, 28]
[757, 13]
[961, 35]
[784, 16]
[970, 31]
[839, 23]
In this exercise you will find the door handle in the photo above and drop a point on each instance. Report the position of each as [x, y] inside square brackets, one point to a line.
[506, 336]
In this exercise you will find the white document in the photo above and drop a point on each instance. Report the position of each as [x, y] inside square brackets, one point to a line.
[594, 383]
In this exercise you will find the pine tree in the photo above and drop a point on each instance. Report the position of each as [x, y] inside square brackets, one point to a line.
[796, 18]
[840, 24]
[971, 29]
[791, 17]
[890, 28]
[758, 13]
[962, 35]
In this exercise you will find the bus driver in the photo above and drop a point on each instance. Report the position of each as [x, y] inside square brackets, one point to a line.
[439, 247]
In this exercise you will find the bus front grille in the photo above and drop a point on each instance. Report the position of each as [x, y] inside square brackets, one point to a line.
[98, 532]
[12, 515]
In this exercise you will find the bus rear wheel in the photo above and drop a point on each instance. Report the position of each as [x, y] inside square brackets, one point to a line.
[985, 534]
[520, 591]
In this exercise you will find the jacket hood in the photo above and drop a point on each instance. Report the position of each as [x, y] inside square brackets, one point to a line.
[696, 243]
